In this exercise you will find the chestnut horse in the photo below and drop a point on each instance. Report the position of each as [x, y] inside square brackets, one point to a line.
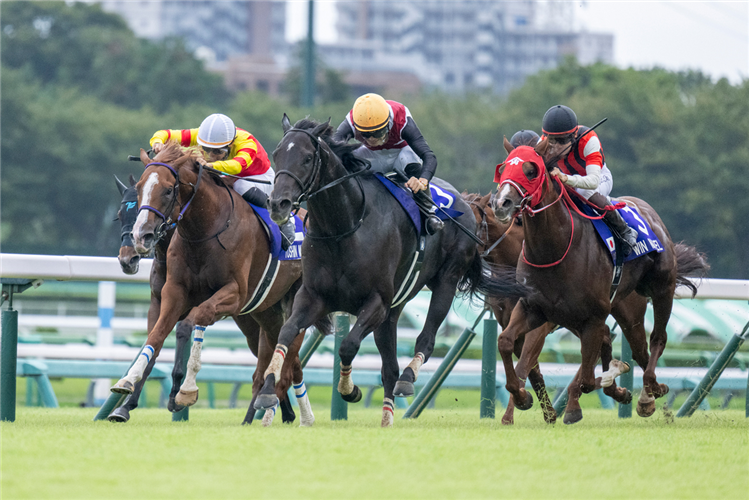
[503, 242]
[129, 262]
[569, 274]
[360, 250]
[214, 263]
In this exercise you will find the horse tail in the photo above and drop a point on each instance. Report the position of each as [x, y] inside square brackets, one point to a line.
[689, 262]
[324, 325]
[490, 280]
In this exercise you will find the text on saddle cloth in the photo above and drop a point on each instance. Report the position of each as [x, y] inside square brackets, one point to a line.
[294, 251]
[647, 240]
[441, 198]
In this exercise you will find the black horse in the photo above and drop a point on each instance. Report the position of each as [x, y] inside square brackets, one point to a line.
[359, 252]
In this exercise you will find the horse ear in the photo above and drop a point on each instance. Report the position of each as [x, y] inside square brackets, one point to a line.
[120, 186]
[542, 146]
[508, 146]
[317, 131]
[132, 180]
[285, 123]
[144, 157]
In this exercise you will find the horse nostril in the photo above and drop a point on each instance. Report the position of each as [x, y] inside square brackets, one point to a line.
[506, 204]
[134, 261]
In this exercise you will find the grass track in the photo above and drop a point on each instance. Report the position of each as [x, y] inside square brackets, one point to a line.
[446, 453]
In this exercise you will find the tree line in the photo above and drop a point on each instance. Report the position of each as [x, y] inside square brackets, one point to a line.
[80, 92]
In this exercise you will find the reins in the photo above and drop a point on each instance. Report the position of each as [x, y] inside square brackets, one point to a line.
[307, 192]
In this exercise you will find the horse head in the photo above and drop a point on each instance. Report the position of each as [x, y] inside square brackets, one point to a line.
[522, 180]
[128, 257]
[298, 162]
[158, 190]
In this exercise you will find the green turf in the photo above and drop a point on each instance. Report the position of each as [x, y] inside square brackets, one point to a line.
[447, 453]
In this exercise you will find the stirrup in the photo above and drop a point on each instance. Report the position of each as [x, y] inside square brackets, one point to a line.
[288, 239]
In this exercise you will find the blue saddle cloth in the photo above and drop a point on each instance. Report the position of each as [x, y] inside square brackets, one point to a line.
[441, 198]
[647, 240]
[274, 234]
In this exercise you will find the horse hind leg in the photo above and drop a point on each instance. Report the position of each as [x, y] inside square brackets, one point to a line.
[531, 348]
[651, 389]
[286, 381]
[612, 368]
[386, 340]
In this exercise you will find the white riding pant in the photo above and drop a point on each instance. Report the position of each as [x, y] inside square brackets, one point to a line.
[604, 186]
[387, 160]
[243, 185]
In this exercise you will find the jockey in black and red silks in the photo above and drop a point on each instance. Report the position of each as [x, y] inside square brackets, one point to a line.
[582, 166]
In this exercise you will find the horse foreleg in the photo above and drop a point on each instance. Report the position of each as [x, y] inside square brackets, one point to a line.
[370, 316]
[306, 311]
[222, 303]
[173, 304]
[528, 363]
[518, 327]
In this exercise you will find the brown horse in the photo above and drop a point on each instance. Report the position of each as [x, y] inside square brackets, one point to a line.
[215, 262]
[502, 247]
[569, 272]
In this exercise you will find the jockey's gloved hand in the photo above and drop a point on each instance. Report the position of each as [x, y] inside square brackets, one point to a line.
[417, 185]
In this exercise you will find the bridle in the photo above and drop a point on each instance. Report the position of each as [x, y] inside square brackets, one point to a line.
[306, 187]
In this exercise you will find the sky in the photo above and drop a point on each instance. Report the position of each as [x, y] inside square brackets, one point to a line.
[709, 36]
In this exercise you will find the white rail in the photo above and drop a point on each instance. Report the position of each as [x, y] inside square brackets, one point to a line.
[79, 268]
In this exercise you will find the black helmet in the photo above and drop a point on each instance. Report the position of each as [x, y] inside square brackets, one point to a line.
[524, 138]
[559, 120]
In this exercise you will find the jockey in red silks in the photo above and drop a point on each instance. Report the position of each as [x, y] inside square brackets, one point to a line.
[392, 141]
[582, 165]
[233, 151]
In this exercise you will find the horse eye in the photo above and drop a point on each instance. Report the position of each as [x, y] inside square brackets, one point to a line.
[168, 191]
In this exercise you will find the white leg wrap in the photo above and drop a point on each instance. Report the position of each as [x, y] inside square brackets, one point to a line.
[616, 368]
[387, 412]
[193, 364]
[276, 362]
[644, 398]
[135, 373]
[345, 384]
[268, 417]
[416, 363]
[305, 409]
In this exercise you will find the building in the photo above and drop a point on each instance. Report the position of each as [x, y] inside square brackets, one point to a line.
[472, 45]
[214, 30]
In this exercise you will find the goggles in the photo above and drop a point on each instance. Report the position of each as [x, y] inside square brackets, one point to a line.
[216, 151]
[377, 134]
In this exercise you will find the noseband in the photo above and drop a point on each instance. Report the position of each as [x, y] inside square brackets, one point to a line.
[167, 223]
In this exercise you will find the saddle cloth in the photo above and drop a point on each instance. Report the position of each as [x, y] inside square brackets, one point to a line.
[441, 198]
[274, 235]
[647, 240]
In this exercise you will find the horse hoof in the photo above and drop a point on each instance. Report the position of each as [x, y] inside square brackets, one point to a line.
[662, 391]
[627, 399]
[119, 415]
[265, 401]
[186, 398]
[123, 387]
[172, 406]
[354, 397]
[646, 409]
[403, 389]
[508, 420]
[573, 417]
[527, 404]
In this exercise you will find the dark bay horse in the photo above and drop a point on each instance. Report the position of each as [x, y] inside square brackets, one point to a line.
[359, 251]
[569, 273]
[214, 263]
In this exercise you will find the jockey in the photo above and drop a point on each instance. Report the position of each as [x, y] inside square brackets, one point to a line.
[392, 141]
[583, 166]
[525, 138]
[233, 151]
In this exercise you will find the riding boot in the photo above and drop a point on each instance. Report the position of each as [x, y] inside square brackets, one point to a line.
[614, 220]
[288, 233]
[255, 196]
[424, 201]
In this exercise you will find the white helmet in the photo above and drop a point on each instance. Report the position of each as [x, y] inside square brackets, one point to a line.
[216, 131]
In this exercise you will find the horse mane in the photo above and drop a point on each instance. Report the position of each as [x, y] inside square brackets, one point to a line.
[175, 153]
[343, 150]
